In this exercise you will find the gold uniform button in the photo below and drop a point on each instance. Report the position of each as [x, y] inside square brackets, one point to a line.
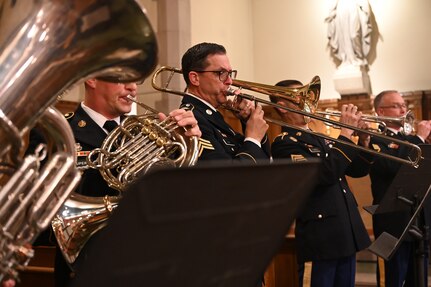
[320, 216]
[344, 191]
[82, 123]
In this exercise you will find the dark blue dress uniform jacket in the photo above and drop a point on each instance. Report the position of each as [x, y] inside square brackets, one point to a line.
[382, 173]
[88, 136]
[330, 226]
[219, 141]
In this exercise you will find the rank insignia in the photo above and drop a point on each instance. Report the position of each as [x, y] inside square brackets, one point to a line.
[297, 158]
[82, 123]
[204, 144]
[376, 147]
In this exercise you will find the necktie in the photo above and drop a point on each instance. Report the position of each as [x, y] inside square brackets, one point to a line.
[110, 125]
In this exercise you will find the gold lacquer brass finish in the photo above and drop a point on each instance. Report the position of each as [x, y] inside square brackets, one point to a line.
[306, 97]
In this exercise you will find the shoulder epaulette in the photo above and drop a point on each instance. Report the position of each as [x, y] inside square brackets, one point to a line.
[282, 135]
[187, 107]
[69, 115]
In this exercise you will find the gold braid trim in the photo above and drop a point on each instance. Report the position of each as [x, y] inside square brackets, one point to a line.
[247, 154]
[342, 153]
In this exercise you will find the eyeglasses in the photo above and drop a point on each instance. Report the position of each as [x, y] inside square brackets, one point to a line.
[222, 74]
[395, 106]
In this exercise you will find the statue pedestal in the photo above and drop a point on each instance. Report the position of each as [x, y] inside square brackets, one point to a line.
[349, 79]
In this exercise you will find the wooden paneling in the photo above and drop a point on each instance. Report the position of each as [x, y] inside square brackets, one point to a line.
[414, 103]
[282, 271]
[66, 106]
[40, 270]
[426, 105]
[362, 101]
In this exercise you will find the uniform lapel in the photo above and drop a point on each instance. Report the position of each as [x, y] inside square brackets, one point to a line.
[214, 117]
[86, 130]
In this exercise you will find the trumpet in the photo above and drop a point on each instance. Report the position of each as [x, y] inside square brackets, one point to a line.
[405, 122]
[307, 98]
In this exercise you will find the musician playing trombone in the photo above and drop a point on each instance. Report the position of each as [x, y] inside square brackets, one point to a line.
[329, 230]
[208, 74]
[398, 271]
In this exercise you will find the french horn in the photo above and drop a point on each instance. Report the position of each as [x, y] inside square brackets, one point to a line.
[139, 144]
[46, 47]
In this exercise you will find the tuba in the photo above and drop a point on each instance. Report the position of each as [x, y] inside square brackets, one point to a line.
[46, 47]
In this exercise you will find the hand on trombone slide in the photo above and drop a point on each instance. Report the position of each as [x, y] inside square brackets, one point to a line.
[350, 115]
[251, 114]
[424, 130]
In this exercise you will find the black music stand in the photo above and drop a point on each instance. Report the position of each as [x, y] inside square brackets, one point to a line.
[204, 226]
[408, 192]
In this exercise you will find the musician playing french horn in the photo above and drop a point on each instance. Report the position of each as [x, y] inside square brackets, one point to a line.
[329, 230]
[104, 102]
[208, 75]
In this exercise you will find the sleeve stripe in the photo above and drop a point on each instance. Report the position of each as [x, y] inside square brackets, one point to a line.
[247, 154]
[342, 153]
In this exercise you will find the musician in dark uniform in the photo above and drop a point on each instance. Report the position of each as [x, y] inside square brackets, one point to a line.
[329, 230]
[399, 269]
[208, 75]
[105, 105]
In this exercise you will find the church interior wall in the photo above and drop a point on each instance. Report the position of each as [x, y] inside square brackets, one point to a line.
[270, 40]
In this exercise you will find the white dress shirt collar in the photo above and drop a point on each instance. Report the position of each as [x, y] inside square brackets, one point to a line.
[98, 118]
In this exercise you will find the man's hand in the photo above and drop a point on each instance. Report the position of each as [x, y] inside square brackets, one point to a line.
[184, 119]
[350, 116]
[364, 138]
[424, 129]
[244, 108]
[8, 283]
[256, 126]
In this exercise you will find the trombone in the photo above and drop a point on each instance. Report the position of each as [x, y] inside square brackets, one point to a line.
[406, 122]
[307, 98]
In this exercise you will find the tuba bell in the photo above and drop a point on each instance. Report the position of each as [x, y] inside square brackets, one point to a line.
[39, 60]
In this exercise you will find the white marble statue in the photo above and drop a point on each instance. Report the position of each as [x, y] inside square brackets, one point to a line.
[349, 31]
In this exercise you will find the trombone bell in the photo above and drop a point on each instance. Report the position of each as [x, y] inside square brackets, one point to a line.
[306, 97]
